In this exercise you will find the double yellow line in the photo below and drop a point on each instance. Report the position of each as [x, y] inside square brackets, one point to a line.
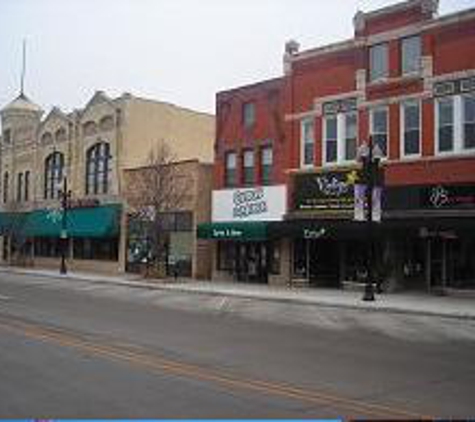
[162, 365]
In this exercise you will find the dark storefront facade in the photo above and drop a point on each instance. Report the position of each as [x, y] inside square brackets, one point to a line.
[424, 241]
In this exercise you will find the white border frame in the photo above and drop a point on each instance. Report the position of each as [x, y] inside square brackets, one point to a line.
[402, 126]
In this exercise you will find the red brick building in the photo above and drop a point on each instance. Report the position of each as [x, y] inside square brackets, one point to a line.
[407, 79]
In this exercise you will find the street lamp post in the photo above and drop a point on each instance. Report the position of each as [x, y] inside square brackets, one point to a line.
[65, 195]
[370, 156]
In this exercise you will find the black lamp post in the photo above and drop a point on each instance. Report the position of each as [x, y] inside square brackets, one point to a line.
[370, 156]
[64, 195]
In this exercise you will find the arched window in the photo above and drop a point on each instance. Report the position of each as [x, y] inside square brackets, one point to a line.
[27, 185]
[19, 187]
[97, 168]
[46, 138]
[89, 128]
[5, 187]
[54, 166]
[106, 123]
[60, 134]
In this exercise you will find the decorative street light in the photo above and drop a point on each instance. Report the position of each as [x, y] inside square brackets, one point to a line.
[370, 156]
[64, 195]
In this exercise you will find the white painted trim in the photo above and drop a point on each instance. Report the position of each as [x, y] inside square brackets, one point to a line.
[406, 31]
[302, 142]
[340, 139]
[402, 153]
[388, 129]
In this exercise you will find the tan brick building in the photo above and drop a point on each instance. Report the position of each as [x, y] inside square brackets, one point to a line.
[92, 148]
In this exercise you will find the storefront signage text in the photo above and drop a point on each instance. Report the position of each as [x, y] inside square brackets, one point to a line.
[325, 192]
[248, 202]
[226, 233]
[261, 203]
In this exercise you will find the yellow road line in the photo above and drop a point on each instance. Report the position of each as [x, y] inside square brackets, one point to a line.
[159, 364]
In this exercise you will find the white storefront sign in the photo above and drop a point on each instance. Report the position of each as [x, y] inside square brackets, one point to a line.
[262, 203]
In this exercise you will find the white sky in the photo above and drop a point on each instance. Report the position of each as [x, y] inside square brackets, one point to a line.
[180, 51]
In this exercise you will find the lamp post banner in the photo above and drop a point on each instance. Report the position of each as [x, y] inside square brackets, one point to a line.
[361, 203]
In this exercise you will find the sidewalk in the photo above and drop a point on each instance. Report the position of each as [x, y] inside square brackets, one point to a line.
[405, 303]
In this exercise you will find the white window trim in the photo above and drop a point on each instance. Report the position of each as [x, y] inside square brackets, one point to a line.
[417, 71]
[340, 139]
[458, 139]
[402, 153]
[462, 127]
[388, 128]
[303, 122]
[382, 78]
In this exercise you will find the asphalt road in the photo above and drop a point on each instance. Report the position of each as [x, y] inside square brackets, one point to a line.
[75, 349]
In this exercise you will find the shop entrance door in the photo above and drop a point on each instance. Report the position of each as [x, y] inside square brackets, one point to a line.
[440, 263]
[323, 262]
[252, 262]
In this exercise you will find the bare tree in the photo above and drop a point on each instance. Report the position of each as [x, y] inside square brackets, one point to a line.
[153, 192]
[12, 231]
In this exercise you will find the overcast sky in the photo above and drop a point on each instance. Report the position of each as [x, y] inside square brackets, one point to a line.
[180, 51]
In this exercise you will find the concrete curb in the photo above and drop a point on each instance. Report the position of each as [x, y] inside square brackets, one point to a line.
[216, 291]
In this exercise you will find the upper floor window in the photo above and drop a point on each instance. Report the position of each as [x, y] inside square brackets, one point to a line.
[411, 128]
[248, 114]
[230, 169]
[379, 128]
[54, 168]
[97, 169]
[378, 61]
[248, 167]
[411, 55]
[340, 134]
[6, 184]
[267, 161]
[445, 124]
[7, 136]
[27, 186]
[19, 187]
[46, 138]
[307, 142]
[455, 124]
[60, 135]
[89, 128]
[106, 123]
[469, 121]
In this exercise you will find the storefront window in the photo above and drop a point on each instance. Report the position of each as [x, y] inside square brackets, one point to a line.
[47, 247]
[226, 256]
[97, 249]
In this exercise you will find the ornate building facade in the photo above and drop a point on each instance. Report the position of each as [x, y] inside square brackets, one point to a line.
[90, 148]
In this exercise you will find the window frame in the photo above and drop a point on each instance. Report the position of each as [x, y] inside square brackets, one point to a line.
[309, 123]
[437, 126]
[26, 193]
[417, 70]
[248, 172]
[402, 126]
[384, 76]
[464, 123]
[248, 114]
[341, 138]
[98, 166]
[267, 169]
[371, 127]
[53, 174]
[6, 187]
[230, 174]
[19, 187]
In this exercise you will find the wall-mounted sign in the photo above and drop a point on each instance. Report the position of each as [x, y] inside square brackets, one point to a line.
[331, 191]
[431, 197]
[263, 203]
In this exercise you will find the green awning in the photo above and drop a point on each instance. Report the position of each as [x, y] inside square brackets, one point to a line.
[250, 230]
[95, 222]
[12, 222]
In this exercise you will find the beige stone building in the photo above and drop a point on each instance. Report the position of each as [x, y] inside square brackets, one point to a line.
[91, 148]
